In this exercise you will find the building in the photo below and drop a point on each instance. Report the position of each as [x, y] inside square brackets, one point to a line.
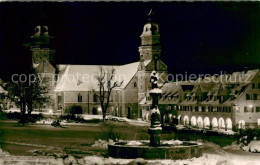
[74, 84]
[229, 101]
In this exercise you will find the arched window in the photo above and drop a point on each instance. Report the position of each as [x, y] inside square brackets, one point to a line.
[135, 84]
[95, 99]
[44, 66]
[79, 97]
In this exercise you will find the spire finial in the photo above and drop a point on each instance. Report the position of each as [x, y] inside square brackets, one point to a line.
[151, 15]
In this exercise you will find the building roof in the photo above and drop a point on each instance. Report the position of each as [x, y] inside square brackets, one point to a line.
[83, 77]
[2, 90]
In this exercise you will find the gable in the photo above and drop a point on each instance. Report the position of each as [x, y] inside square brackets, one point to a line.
[44, 66]
[160, 66]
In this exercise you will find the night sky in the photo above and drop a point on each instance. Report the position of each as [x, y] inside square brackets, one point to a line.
[201, 37]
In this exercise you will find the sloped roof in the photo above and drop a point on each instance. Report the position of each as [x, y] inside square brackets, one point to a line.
[145, 102]
[170, 88]
[2, 90]
[82, 77]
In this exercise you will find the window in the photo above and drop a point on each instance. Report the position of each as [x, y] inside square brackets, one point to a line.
[199, 98]
[203, 109]
[247, 96]
[196, 108]
[44, 66]
[255, 96]
[135, 84]
[253, 86]
[257, 109]
[245, 109]
[80, 98]
[95, 99]
[258, 85]
[59, 99]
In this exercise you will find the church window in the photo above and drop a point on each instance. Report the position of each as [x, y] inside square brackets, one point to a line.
[59, 99]
[44, 66]
[135, 84]
[80, 98]
[95, 99]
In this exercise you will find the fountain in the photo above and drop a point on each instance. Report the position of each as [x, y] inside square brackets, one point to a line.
[155, 148]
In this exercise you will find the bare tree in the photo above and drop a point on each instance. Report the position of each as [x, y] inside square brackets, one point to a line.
[106, 83]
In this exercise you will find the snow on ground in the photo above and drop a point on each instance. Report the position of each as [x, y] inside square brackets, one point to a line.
[206, 159]
[137, 122]
[254, 146]
[134, 143]
[91, 117]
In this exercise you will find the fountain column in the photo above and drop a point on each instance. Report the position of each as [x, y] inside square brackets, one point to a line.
[155, 129]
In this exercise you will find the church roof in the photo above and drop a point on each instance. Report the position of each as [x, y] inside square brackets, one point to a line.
[82, 77]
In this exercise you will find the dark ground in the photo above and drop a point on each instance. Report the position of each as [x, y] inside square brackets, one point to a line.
[77, 139]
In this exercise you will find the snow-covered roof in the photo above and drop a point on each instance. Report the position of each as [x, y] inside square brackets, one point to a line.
[2, 90]
[83, 77]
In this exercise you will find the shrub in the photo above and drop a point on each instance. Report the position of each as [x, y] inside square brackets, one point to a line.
[247, 135]
[94, 111]
[109, 133]
[56, 123]
[33, 118]
[74, 109]
[3, 116]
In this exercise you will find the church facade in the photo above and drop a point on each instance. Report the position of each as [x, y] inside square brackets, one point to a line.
[75, 84]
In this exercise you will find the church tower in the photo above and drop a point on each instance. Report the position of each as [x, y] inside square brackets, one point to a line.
[43, 59]
[150, 56]
[42, 54]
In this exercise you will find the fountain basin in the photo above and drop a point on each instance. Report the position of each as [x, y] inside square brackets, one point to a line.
[142, 149]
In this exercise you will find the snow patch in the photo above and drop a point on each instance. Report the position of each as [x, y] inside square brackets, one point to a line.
[134, 143]
[156, 90]
[172, 142]
[254, 146]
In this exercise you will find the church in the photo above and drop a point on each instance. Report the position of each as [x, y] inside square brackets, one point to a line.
[75, 84]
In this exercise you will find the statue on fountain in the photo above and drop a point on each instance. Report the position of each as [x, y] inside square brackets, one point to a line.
[155, 129]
